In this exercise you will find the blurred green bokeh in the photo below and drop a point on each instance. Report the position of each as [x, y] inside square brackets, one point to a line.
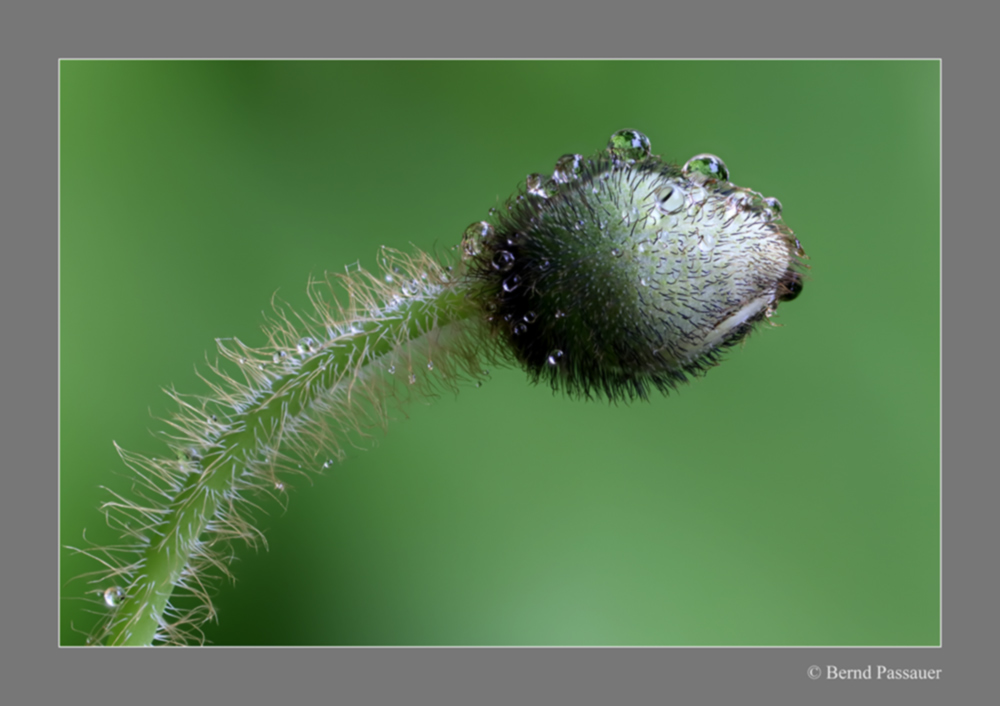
[791, 497]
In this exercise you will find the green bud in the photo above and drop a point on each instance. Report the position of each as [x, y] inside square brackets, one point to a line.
[626, 272]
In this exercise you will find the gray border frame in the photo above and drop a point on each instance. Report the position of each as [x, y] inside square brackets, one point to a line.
[484, 675]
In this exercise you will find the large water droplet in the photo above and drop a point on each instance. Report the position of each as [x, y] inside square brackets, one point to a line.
[472, 239]
[503, 260]
[705, 166]
[555, 357]
[670, 199]
[113, 596]
[568, 168]
[511, 283]
[629, 145]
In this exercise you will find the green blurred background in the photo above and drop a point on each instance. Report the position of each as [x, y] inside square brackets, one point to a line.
[791, 497]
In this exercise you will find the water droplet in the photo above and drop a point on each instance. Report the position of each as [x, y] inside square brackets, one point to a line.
[278, 485]
[478, 383]
[560, 313]
[555, 357]
[773, 207]
[544, 265]
[705, 166]
[511, 283]
[740, 201]
[243, 361]
[413, 378]
[629, 145]
[503, 260]
[260, 366]
[537, 185]
[568, 168]
[430, 365]
[113, 596]
[644, 282]
[472, 239]
[389, 279]
[484, 371]
[327, 463]
[518, 328]
[530, 318]
[615, 252]
[670, 199]
[279, 356]
[306, 345]
[392, 369]
[411, 288]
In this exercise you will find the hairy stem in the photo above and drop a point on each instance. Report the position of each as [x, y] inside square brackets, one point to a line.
[277, 409]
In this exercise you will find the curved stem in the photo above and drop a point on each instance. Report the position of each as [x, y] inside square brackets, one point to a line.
[275, 409]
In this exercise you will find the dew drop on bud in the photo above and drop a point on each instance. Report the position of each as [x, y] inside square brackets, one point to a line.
[472, 239]
[537, 185]
[568, 168]
[629, 145]
[670, 199]
[705, 166]
[503, 260]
